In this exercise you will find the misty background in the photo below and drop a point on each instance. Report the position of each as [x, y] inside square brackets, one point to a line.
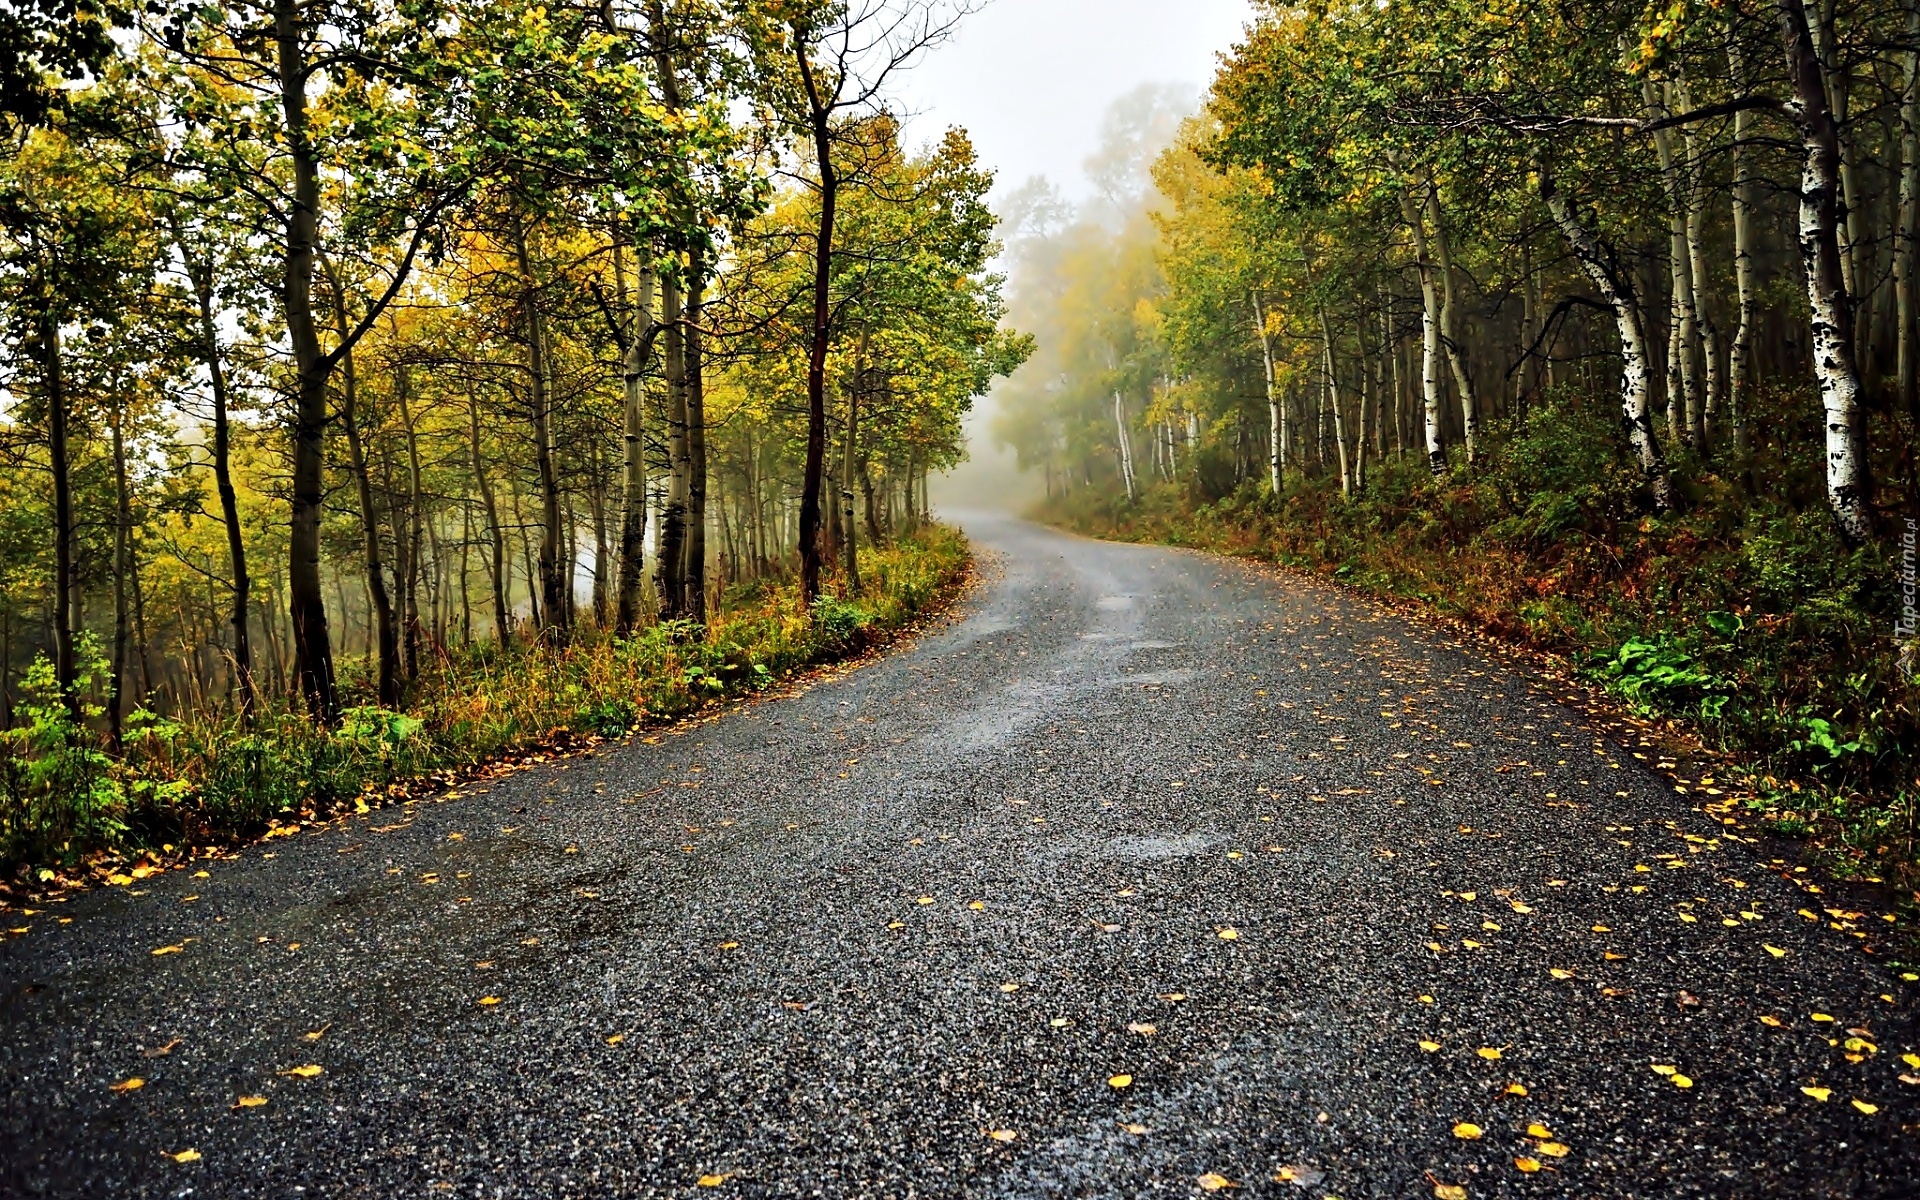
[1068, 102]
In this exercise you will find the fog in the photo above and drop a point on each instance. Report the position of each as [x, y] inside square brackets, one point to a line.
[1067, 101]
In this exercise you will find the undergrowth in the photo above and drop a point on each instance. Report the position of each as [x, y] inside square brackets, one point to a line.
[66, 802]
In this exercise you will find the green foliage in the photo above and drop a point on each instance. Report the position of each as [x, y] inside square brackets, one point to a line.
[60, 791]
[62, 795]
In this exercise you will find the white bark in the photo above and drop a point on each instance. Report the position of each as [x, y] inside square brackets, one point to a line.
[1276, 446]
[1126, 445]
[1462, 382]
[1830, 315]
[1683, 386]
[1740, 356]
[1636, 367]
[1429, 335]
[1909, 215]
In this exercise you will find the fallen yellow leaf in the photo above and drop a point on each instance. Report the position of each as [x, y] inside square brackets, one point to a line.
[1818, 1093]
[1770, 1020]
[1467, 1131]
[710, 1181]
[923, 900]
[1229, 935]
[1528, 1165]
[1681, 1081]
[1866, 1108]
[1515, 1089]
[250, 1102]
[127, 1085]
[1537, 1130]
[1560, 973]
[1009, 986]
[616, 1039]
[185, 1156]
[1449, 1191]
[1488, 1052]
[1429, 1047]
[168, 950]
[1002, 1135]
[1211, 1182]
[1553, 1149]
[1776, 951]
[1120, 1081]
[1133, 1127]
[306, 1072]
[1664, 1069]
[489, 1001]
[1143, 1028]
[1912, 1060]
[1819, 1017]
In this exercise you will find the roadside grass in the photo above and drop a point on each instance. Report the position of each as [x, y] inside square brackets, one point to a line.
[1742, 617]
[71, 811]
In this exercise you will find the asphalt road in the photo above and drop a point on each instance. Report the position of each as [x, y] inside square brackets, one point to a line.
[1159, 867]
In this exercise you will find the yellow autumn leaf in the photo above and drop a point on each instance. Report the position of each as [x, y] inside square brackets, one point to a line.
[1133, 1127]
[1818, 1093]
[1143, 1028]
[1211, 1182]
[1467, 1131]
[1002, 1135]
[1664, 1069]
[1424, 999]
[923, 900]
[1490, 1053]
[1770, 1020]
[1120, 1081]
[168, 950]
[616, 1039]
[1528, 1165]
[1229, 935]
[1560, 973]
[1866, 1108]
[306, 1072]
[1553, 1149]
[185, 1156]
[127, 1085]
[1449, 1191]
[1819, 1017]
[1776, 951]
[1429, 1047]
[1515, 1089]
[1912, 1060]
[710, 1181]
[1603, 929]
[1519, 907]
[1537, 1130]
[250, 1102]
[1009, 986]
[489, 1001]
[1681, 1081]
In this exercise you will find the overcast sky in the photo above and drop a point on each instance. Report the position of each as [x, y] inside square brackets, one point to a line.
[1031, 79]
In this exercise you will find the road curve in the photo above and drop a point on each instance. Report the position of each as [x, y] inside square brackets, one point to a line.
[1158, 866]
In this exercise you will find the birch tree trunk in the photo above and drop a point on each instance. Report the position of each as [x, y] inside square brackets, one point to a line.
[1849, 482]
[1429, 335]
[1462, 381]
[1694, 176]
[1683, 384]
[1636, 367]
[1740, 356]
[1276, 427]
[1125, 444]
[556, 567]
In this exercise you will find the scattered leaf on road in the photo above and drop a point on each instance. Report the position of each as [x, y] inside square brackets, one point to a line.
[184, 1156]
[306, 1072]
[1818, 1093]
[127, 1085]
[1467, 1131]
[250, 1102]
[1211, 1182]
[1120, 1081]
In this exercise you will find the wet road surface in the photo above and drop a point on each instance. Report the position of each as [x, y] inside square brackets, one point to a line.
[1149, 874]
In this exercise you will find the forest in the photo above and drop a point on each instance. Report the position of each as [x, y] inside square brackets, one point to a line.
[1592, 325]
[392, 387]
